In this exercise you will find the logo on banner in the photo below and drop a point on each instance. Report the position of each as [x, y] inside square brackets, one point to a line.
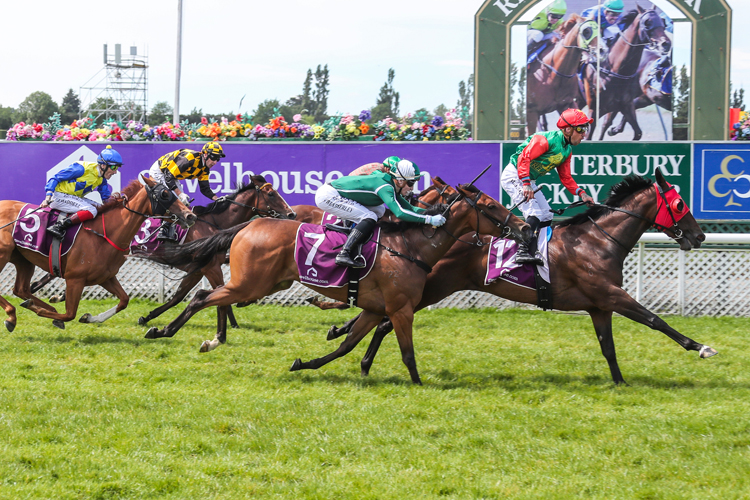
[727, 185]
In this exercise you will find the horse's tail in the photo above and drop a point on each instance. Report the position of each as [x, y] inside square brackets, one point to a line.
[197, 253]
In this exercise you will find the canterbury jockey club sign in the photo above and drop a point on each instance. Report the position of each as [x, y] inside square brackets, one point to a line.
[509, 6]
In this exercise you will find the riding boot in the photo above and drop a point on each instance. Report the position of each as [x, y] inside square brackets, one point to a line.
[58, 228]
[527, 250]
[360, 234]
[167, 232]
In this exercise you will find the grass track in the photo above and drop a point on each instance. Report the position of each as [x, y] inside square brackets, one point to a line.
[516, 404]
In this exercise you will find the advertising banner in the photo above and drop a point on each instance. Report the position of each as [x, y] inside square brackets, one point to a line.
[296, 170]
[596, 167]
[722, 182]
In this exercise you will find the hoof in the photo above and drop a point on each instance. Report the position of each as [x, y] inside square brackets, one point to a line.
[27, 303]
[10, 326]
[56, 299]
[142, 321]
[205, 346]
[86, 318]
[152, 333]
[297, 365]
[707, 352]
[310, 300]
[235, 327]
[58, 323]
[333, 333]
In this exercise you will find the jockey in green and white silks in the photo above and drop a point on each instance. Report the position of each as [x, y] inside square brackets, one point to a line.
[362, 199]
[541, 153]
[66, 190]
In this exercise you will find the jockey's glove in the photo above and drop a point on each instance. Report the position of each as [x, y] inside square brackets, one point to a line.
[185, 199]
[435, 220]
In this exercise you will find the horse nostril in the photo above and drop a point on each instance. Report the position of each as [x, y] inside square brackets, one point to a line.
[701, 237]
[291, 215]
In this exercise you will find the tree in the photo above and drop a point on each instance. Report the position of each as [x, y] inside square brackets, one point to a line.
[387, 102]
[36, 108]
[307, 102]
[466, 92]
[266, 110]
[738, 99]
[160, 113]
[321, 94]
[682, 105]
[6, 118]
[70, 107]
[440, 110]
[194, 116]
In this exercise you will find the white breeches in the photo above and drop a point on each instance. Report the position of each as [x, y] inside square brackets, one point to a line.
[71, 204]
[157, 175]
[538, 207]
[328, 199]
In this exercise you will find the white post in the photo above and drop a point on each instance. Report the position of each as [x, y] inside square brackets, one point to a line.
[639, 276]
[178, 68]
[160, 293]
[681, 281]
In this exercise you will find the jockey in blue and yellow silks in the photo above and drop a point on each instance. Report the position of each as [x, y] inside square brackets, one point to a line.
[66, 190]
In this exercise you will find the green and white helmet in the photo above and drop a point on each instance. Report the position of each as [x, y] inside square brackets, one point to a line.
[405, 170]
[614, 5]
[391, 162]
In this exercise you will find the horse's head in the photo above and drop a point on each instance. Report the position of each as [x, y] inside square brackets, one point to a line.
[651, 30]
[165, 203]
[492, 217]
[673, 216]
[264, 199]
[438, 192]
[581, 33]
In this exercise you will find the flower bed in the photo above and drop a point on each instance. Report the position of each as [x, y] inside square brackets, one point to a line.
[337, 128]
[741, 130]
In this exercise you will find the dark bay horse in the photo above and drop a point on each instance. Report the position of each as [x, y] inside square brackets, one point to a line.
[619, 70]
[262, 262]
[586, 255]
[96, 255]
[552, 80]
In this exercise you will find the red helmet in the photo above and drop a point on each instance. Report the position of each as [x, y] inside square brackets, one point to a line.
[573, 118]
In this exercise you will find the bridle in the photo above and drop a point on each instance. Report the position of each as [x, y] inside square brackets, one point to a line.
[259, 191]
[473, 203]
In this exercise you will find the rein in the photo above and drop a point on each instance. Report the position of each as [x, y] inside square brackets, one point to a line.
[272, 213]
[104, 230]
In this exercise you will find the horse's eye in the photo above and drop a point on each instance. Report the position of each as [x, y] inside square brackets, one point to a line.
[491, 206]
[680, 206]
[586, 33]
[164, 195]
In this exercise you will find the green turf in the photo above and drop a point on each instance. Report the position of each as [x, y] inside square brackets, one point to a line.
[515, 404]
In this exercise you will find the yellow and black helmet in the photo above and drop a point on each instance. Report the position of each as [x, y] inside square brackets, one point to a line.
[213, 149]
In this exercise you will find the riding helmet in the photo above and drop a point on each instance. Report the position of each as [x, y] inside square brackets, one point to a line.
[614, 5]
[572, 117]
[213, 149]
[109, 156]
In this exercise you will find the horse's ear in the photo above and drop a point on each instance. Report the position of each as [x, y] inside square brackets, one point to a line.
[437, 180]
[660, 179]
[640, 9]
[148, 181]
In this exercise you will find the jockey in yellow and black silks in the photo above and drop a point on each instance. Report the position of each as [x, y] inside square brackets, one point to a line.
[66, 189]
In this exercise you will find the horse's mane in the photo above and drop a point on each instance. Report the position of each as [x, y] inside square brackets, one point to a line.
[400, 226]
[627, 19]
[219, 207]
[130, 191]
[618, 194]
[571, 23]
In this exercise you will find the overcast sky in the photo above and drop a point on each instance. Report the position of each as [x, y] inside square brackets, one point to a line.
[262, 50]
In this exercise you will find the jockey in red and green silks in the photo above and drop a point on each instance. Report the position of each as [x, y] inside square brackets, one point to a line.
[539, 154]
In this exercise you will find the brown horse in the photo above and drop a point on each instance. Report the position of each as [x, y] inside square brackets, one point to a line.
[552, 80]
[619, 70]
[262, 262]
[96, 255]
[586, 255]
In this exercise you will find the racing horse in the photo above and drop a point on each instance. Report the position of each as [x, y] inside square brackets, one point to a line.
[578, 281]
[96, 255]
[617, 77]
[262, 262]
[552, 79]
[255, 198]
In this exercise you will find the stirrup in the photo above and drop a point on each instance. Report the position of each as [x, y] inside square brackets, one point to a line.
[344, 259]
[57, 232]
[528, 259]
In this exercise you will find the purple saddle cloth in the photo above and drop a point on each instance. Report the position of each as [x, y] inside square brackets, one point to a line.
[501, 262]
[145, 241]
[30, 230]
[315, 251]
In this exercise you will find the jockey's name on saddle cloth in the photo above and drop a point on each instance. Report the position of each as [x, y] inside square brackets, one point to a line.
[145, 241]
[30, 230]
[315, 251]
[501, 263]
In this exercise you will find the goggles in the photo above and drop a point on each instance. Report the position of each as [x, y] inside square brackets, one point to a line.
[410, 183]
[112, 166]
[555, 17]
[581, 129]
[214, 157]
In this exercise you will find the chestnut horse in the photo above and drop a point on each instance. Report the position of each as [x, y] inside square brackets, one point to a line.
[96, 255]
[552, 80]
[619, 70]
[262, 262]
[579, 280]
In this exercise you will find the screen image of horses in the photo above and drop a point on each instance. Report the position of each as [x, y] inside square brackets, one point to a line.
[582, 55]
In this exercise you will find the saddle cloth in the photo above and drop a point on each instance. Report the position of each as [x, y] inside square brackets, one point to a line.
[315, 251]
[30, 230]
[145, 241]
[329, 219]
[501, 263]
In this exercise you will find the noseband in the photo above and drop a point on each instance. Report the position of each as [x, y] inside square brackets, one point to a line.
[506, 230]
[259, 191]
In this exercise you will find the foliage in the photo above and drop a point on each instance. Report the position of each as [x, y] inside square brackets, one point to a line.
[450, 128]
[516, 404]
[738, 99]
[37, 107]
[70, 107]
[161, 112]
[387, 104]
[6, 117]
[320, 105]
[466, 97]
[681, 105]
[266, 110]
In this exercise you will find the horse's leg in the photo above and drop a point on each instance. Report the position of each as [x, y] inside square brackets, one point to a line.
[22, 288]
[187, 284]
[603, 326]
[10, 323]
[334, 333]
[215, 278]
[39, 284]
[402, 321]
[366, 322]
[617, 300]
[73, 289]
[384, 328]
[629, 114]
[531, 120]
[607, 123]
[115, 288]
[221, 330]
[325, 305]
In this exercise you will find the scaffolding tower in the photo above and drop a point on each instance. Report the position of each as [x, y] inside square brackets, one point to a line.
[119, 91]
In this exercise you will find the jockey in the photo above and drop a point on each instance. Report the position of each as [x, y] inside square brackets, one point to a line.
[541, 27]
[607, 15]
[369, 168]
[67, 188]
[185, 164]
[363, 199]
[540, 153]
